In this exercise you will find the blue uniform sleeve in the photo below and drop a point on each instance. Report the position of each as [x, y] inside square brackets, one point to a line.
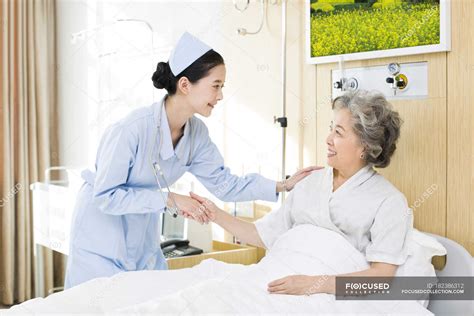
[115, 158]
[208, 167]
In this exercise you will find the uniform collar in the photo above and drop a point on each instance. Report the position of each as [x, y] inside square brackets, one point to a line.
[167, 150]
[185, 144]
[161, 120]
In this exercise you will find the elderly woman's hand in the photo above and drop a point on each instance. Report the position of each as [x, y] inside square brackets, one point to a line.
[301, 285]
[290, 183]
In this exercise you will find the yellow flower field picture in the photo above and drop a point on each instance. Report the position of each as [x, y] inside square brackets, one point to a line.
[353, 26]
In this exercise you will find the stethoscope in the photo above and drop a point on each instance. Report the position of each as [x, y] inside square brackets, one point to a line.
[158, 171]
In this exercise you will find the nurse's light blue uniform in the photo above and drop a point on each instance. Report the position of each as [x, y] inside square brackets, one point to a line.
[115, 223]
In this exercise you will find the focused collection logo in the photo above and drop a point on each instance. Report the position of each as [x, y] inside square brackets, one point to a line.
[367, 287]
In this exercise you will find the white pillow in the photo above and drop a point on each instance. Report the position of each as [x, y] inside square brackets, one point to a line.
[421, 249]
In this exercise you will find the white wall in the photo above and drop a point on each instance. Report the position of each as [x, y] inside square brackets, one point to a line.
[242, 123]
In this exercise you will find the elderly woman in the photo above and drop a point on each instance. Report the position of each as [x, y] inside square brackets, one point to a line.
[349, 197]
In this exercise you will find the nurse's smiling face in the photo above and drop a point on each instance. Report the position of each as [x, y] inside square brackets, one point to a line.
[344, 146]
[204, 94]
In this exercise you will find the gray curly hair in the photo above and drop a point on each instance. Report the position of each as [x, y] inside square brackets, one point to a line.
[375, 123]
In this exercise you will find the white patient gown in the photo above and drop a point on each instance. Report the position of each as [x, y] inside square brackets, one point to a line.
[367, 210]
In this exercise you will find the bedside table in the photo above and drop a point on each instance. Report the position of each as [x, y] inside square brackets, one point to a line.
[222, 251]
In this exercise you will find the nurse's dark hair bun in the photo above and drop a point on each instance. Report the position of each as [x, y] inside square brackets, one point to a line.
[163, 77]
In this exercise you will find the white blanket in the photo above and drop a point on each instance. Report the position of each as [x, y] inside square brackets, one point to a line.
[216, 287]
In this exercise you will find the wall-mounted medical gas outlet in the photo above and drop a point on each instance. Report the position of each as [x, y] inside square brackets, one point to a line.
[395, 81]
[346, 84]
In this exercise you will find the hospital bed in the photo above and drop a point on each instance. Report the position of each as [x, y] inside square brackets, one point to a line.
[214, 286]
[458, 263]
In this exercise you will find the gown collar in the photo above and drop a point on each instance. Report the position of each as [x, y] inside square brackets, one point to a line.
[357, 179]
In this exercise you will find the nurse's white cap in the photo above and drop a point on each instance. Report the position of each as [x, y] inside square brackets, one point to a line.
[188, 49]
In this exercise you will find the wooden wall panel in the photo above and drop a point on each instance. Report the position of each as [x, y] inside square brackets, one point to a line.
[2, 98]
[460, 136]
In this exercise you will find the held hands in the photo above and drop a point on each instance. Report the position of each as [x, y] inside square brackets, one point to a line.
[290, 183]
[190, 208]
[195, 207]
[211, 209]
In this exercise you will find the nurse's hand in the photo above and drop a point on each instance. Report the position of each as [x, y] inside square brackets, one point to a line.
[290, 183]
[190, 208]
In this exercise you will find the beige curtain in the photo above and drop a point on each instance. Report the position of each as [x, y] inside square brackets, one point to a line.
[28, 139]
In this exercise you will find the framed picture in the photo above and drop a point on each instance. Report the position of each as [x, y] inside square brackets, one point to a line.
[366, 29]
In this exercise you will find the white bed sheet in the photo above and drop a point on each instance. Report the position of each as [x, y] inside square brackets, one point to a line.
[216, 287]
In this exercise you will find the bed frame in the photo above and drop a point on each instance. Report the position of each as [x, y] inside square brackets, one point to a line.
[458, 263]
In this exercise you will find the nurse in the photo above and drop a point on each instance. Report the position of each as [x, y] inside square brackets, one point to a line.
[116, 219]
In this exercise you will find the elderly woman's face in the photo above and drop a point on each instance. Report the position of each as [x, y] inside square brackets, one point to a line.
[344, 146]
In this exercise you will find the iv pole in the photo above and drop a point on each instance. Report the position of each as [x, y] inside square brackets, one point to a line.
[283, 119]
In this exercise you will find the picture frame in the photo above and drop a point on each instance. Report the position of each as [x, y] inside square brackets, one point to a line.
[324, 46]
